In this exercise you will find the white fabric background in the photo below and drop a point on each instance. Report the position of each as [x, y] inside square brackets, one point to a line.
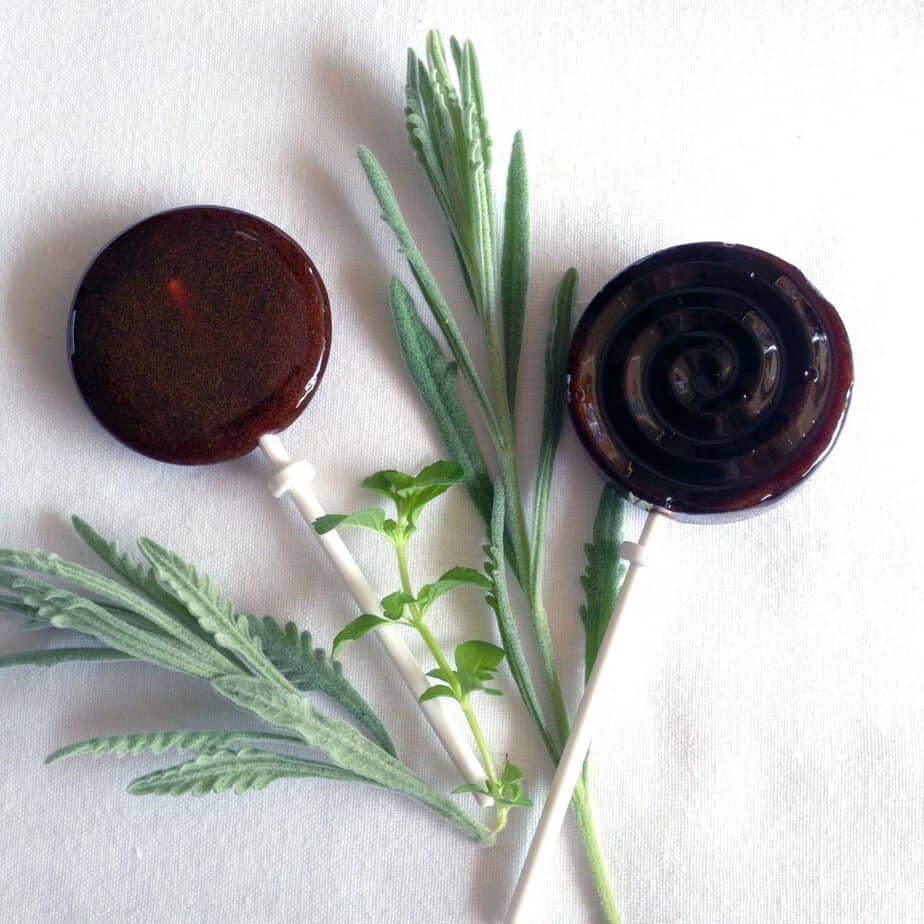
[763, 758]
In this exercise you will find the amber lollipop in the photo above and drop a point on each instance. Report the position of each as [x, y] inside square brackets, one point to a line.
[708, 380]
[198, 335]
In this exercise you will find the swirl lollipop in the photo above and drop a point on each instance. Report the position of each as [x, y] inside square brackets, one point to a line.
[195, 337]
[708, 380]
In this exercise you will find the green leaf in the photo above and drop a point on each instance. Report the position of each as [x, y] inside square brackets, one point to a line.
[556, 361]
[345, 746]
[514, 271]
[452, 579]
[237, 771]
[388, 483]
[479, 657]
[434, 692]
[372, 519]
[310, 670]
[359, 627]
[53, 656]
[214, 612]
[499, 601]
[157, 742]
[394, 604]
[603, 576]
[435, 378]
[439, 674]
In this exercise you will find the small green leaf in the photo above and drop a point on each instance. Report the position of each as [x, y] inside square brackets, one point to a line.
[394, 604]
[439, 674]
[436, 691]
[605, 571]
[471, 787]
[479, 657]
[372, 519]
[359, 627]
[452, 579]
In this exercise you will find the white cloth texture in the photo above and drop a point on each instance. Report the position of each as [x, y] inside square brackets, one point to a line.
[763, 759]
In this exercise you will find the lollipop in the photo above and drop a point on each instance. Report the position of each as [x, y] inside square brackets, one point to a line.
[195, 337]
[708, 380]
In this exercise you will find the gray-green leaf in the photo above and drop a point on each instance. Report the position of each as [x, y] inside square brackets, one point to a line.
[157, 742]
[237, 771]
[605, 571]
[345, 746]
[309, 669]
[514, 269]
[51, 657]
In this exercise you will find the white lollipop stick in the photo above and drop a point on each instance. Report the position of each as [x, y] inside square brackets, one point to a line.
[578, 744]
[295, 479]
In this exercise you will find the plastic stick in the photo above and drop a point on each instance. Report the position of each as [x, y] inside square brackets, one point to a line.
[294, 479]
[572, 758]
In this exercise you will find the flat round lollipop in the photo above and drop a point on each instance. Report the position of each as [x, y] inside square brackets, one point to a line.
[707, 380]
[195, 337]
[197, 331]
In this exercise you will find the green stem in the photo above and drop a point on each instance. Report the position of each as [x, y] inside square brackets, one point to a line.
[442, 661]
[580, 802]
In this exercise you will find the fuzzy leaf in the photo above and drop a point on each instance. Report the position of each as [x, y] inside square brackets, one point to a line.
[556, 359]
[499, 601]
[160, 741]
[50, 657]
[117, 597]
[439, 308]
[210, 607]
[514, 270]
[345, 746]
[310, 670]
[237, 771]
[435, 378]
[604, 573]
[66, 610]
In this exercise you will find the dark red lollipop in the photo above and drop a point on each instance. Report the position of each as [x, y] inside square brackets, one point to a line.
[197, 331]
[709, 379]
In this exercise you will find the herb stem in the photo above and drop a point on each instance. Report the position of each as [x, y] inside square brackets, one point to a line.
[417, 620]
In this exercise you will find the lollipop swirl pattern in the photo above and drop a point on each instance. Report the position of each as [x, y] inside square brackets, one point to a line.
[709, 379]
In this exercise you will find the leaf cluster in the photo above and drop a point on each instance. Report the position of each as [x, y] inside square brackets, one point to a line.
[165, 612]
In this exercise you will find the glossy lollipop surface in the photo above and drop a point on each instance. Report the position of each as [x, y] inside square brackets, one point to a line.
[197, 331]
[709, 379]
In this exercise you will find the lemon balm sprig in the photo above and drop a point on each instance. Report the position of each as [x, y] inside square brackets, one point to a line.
[474, 663]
